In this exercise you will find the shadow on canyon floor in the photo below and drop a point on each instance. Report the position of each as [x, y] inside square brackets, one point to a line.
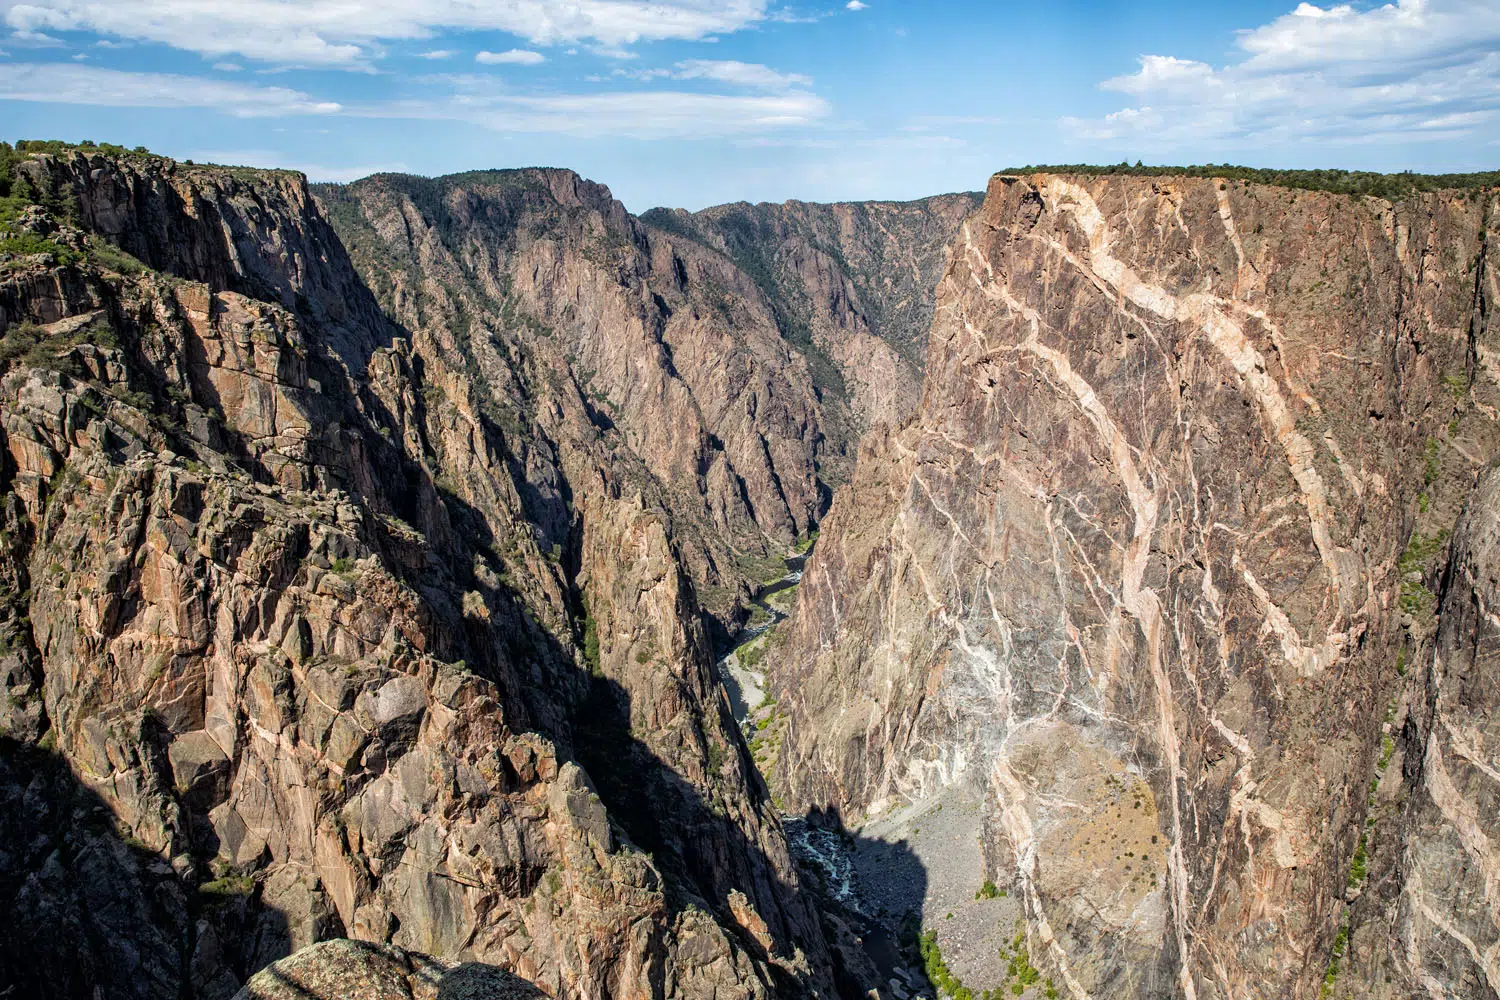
[875, 888]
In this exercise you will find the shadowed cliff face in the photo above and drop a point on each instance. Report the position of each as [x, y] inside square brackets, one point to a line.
[704, 361]
[543, 282]
[851, 286]
[321, 610]
[1141, 573]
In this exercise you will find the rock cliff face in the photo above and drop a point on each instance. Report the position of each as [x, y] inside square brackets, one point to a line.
[684, 375]
[702, 359]
[1152, 578]
[852, 287]
[316, 627]
[364, 549]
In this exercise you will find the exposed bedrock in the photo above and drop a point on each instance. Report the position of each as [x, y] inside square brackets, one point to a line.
[1152, 575]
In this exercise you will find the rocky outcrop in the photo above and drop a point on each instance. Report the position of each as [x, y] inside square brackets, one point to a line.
[1426, 917]
[1145, 575]
[342, 631]
[337, 969]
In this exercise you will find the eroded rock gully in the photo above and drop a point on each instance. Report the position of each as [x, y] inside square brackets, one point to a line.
[1152, 577]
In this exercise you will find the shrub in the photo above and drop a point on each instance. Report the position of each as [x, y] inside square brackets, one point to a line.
[937, 970]
[26, 244]
[229, 885]
[1359, 866]
[591, 644]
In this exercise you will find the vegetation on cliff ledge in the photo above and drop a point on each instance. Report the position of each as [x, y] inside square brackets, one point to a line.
[1352, 182]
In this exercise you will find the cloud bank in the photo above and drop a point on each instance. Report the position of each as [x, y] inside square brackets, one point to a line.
[66, 83]
[330, 33]
[1417, 70]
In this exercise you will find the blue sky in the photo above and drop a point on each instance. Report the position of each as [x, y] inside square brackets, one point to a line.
[696, 102]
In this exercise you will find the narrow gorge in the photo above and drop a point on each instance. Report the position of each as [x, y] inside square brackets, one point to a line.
[438, 587]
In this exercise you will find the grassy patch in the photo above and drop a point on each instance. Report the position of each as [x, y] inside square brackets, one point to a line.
[1359, 865]
[752, 654]
[228, 887]
[1432, 455]
[112, 258]
[1416, 599]
[1331, 976]
[805, 546]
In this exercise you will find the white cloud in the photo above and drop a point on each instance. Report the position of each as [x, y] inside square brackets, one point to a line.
[518, 57]
[60, 83]
[1416, 70]
[856, 5]
[436, 54]
[330, 32]
[34, 38]
[791, 15]
[753, 76]
[228, 67]
[648, 115]
[740, 74]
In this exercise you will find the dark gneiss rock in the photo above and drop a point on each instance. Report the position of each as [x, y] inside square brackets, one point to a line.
[1151, 577]
[321, 627]
[362, 575]
[356, 970]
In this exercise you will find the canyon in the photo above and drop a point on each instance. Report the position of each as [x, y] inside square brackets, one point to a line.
[460, 586]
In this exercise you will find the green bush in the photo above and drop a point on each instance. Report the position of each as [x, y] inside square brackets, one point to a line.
[751, 655]
[937, 970]
[229, 885]
[112, 258]
[1340, 945]
[591, 644]
[26, 244]
[1359, 865]
[30, 345]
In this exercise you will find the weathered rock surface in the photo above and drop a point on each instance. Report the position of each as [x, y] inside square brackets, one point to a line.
[352, 611]
[355, 970]
[852, 286]
[1141, 574]
[337, 648]
[688, 391]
